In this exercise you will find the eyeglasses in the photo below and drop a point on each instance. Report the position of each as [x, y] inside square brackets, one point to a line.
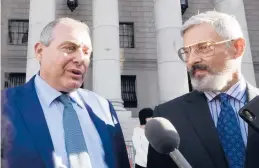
[202, 49]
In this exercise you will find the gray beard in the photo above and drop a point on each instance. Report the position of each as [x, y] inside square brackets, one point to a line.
[212, 82]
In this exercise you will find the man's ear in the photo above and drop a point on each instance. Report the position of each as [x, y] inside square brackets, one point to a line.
[239, 47]
[38, 49]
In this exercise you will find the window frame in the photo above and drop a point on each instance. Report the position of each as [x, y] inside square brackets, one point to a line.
[10, 33]
[124, 92]
[128, 36]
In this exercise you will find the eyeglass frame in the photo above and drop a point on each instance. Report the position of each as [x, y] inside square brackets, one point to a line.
[212, 44]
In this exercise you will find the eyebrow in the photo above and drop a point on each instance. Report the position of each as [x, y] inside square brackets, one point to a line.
[74, 43]
[70, 42]
[196, 43]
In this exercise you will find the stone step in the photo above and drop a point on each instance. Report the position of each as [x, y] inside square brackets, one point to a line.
[127, 124]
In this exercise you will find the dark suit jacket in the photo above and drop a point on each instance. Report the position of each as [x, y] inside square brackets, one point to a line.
[199, 142]
[29, 142]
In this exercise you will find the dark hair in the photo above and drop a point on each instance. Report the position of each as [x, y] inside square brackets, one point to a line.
[144, 114]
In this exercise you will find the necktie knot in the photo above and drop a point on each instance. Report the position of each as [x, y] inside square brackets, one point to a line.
[64, 99]
[223, 97]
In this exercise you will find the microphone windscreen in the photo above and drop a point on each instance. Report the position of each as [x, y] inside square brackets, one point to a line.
[162, 135]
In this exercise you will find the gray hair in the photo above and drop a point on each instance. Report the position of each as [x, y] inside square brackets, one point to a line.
[46, 34]
[225, 25]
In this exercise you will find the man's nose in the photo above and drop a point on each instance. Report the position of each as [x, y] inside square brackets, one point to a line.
[80, 57]
[193, 58]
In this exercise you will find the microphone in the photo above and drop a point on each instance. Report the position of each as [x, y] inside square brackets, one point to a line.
[247, 113]
[164, 138]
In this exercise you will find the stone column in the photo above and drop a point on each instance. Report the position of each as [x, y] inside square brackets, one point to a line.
[236, 8]
[172, 73]
[106, 60]
[41, 13]
[106, 52]
[2, 51]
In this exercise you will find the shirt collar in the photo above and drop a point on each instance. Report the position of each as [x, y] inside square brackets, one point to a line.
[237, 91]
[76, 98]
[49, 94]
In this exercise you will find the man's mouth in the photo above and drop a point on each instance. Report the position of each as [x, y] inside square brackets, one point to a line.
[76, 72]
[199, 72]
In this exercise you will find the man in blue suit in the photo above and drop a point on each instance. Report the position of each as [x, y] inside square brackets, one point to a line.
[54, 123]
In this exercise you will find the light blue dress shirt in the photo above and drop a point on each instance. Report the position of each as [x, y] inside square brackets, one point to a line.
[53, 110]
[237, 99]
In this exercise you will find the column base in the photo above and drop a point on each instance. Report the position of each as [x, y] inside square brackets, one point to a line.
[118, 105]
[127, 124]
[125, 118]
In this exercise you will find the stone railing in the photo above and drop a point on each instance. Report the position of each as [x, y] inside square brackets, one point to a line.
[131, 153]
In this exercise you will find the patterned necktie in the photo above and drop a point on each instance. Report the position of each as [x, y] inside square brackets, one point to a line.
[74, 140]
[230, 134]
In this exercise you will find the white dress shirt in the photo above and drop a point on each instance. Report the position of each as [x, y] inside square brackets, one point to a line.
[53, 110]
[140, 144]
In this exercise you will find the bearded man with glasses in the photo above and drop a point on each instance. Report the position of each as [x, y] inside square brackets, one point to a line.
[212, 133]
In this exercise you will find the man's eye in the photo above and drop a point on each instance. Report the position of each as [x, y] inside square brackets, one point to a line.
[202, 47]
[69, 49]
[86, 52]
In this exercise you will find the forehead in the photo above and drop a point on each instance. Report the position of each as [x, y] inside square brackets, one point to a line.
[65, 32]
[200, 33]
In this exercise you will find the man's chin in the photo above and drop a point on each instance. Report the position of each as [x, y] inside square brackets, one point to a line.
[208, 83]
[74, 85]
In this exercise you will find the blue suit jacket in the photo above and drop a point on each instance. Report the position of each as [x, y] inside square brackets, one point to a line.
[29, 143]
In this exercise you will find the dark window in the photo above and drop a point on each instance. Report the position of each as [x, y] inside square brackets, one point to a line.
[184, 6]
[14, 79]
[126, 35]
[128, 91]
[18, 32]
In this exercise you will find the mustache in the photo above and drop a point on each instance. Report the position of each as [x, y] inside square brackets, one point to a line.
[198, 67]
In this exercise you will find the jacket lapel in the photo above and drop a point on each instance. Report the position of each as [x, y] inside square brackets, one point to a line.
[103, 130]
[34, 118]
[199, 115]
[204, 126]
